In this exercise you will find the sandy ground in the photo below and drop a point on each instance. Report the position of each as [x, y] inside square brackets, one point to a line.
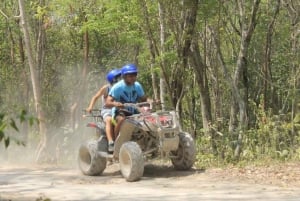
[160, 182]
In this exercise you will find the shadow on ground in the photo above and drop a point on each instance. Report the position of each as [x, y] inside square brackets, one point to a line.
[166, 171]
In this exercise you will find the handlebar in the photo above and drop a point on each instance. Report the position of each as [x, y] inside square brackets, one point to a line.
[137, 104]
[142, 107]
[142, 104]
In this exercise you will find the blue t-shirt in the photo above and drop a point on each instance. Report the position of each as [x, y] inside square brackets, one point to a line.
[127, 94]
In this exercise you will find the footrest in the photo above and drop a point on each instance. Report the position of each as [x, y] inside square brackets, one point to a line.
[105, 154]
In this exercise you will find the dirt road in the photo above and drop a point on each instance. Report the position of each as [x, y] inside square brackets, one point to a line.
[160, 182]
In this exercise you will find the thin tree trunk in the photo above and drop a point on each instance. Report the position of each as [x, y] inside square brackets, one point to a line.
[162, 80]
[191, 104]
[190, 49]
[174, 83]
[293, 8]
[35, 81]
[267, 79]
[202, 81]
[233, 87]
[151, 45]
[25, 88]
[188, 24]
[238, 125]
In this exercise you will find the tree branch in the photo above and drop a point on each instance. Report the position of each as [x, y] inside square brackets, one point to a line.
[231, 22]
[3, 14]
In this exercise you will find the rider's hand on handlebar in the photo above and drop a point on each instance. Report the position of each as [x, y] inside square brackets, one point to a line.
[153, 101]
[118, 104]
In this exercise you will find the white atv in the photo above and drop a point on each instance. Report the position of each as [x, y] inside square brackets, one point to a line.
[142, 136]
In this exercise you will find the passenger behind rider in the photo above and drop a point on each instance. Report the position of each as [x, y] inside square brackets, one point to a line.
[112, 77]
[127, 90]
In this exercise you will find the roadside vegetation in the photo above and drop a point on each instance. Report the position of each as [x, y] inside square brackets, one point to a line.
[230, 69]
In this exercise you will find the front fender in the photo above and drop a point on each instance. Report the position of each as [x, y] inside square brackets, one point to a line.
[125, 135]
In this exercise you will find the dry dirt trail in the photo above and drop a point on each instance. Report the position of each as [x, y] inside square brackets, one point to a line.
[160, 182]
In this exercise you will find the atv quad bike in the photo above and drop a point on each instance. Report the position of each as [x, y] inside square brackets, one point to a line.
[142, 136]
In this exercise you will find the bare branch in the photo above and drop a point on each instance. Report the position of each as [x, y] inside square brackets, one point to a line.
[3, 14]
[231, 22]
[293, 10]
[1, 11]
[253, 19]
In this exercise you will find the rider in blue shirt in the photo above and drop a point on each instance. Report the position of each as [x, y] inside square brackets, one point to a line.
[127, 90]
[125, 93]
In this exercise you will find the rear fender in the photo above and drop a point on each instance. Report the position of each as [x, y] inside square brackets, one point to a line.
[92, 125]
[100, 128]
[95, 125]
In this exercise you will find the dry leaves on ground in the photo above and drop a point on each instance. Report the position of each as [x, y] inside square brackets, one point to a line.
[285, 174]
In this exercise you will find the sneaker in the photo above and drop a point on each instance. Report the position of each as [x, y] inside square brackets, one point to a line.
[110, 147]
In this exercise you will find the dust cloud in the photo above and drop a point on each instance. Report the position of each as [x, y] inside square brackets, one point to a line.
[65, 131]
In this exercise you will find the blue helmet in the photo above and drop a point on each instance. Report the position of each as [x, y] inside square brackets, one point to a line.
[129, 68]
[112, 75]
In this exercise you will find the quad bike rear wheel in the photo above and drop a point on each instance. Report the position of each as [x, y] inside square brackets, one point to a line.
[131, 161]
[185, 155]
[89, 161]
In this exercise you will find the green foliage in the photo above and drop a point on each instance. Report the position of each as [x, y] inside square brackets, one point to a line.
[7, 123]
[274, 137]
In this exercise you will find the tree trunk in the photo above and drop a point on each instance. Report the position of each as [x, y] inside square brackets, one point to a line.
[186, 35]
[201, 78]
[26, 88]
[162, 81]
[151, 44]
[238, 125]
[234, 90]
[293, 8]
[35, 82]
[267, 75]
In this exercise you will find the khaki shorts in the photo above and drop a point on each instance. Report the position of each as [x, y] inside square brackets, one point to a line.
[105, 113]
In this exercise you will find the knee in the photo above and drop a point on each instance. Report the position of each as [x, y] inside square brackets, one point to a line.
[108, 119]
[120, 118]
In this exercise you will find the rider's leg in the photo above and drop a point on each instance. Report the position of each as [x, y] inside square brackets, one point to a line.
[119, 119]
[109, 134]
[106, 114]
[109, 129]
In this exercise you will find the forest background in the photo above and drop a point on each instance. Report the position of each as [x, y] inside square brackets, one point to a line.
[230, 69]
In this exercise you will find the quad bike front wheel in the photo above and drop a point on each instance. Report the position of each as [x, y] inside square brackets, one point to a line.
[185, 155]
[131, 161]
[89, 161]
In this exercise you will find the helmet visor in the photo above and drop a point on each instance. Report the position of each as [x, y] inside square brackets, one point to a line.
[131, 74]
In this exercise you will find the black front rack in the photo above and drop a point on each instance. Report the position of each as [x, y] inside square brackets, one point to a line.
[95, 114]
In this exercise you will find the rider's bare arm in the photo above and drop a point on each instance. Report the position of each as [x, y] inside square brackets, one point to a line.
[102, 92]
[149, 100]
[110, 102]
